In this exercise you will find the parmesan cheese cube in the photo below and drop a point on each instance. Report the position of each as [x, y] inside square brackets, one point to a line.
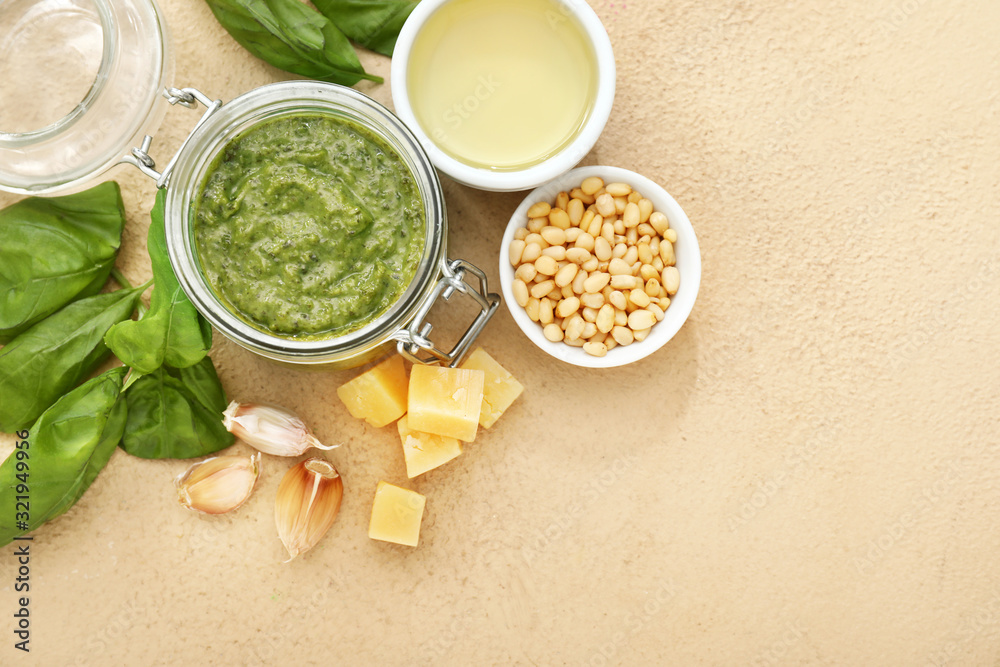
[396, 515]
[425, 451]
[378, 395]
[446, 401]
[500, 389]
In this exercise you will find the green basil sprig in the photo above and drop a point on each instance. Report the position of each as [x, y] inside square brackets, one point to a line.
[374, 24]
[292, 36]
[53, 356]
[67, 447]
[55, 250]
[176, 413]
[172, 331]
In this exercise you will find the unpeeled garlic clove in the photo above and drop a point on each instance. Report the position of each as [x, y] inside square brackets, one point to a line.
[218, 485]
[308, 502]
[270, 428]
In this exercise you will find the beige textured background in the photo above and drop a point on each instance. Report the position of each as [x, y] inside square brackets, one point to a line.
[807, 474]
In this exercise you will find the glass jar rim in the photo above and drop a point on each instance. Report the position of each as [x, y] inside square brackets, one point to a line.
[123, 103]
[264, 103]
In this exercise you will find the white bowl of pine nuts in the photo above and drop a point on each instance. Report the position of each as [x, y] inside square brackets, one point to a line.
[600, 267]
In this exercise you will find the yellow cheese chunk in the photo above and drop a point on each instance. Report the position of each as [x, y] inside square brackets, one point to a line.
[378, 395]
[499, 388]
[396, 515]
[425, 451]
[446, 401]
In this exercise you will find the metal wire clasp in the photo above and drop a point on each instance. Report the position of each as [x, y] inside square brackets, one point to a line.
[187, 97]
[414, 342]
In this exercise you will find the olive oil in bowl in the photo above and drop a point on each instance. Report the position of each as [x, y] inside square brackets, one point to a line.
[502, 84]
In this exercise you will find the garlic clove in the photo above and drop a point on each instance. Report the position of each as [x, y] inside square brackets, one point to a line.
[218, 485]
[270, 428]
[308, 502]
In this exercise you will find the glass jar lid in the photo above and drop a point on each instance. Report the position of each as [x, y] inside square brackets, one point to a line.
[82, 83]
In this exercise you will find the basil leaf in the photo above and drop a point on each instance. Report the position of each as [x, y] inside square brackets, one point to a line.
[172, 331]
[54, 250]
[292, 36]
[203, 383]
[167, 418]
[54, 355]
[374, 24]
[66, 449]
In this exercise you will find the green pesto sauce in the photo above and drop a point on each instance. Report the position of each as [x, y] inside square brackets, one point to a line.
[309, 226]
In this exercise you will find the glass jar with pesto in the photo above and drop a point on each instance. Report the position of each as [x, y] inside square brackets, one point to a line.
[306, 223]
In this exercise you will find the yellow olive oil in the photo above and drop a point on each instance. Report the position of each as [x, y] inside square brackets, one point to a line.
[502, 84]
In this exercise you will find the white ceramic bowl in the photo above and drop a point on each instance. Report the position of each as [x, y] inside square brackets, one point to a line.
[688, 263]
[530, 177]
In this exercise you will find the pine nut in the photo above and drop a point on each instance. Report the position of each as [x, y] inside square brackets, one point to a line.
[577, 193]
[653, 287]
[531, 252]
[621, 318]
[579, 280]
[559, 218]
[645, 210]
[520, 290]
[625, 282]
[639, 297]
[520, 233]
[631, 256]
[631, 216]
[671, 280]
[605, 318]
[591, 265]
[592, 300]
[641, 319]
[606, 205]
[539, 210]
[619, 250]
[565, 275]
[531, 308]
[575, 210]
[622, 335]
[618, 300]
[535, 224]
[619, 267]
[514, 252]
[546, 265]
[567, 307]
[553, 332]
[596, 282]
[526, 273]
[577, 255]
[659, 222]
[641, 334]
[562, 200]
[574, 329]
[667, 253]
[538, 290]
[556, 252]
[545, 311]
[585, 241]
[657, 311]
[589, 331]
[618, 189]
[553, 235]
[670, 235]
[591, 185]
[595, 349]
[602, 249]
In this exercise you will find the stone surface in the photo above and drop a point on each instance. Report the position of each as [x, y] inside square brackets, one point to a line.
[807, 473]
